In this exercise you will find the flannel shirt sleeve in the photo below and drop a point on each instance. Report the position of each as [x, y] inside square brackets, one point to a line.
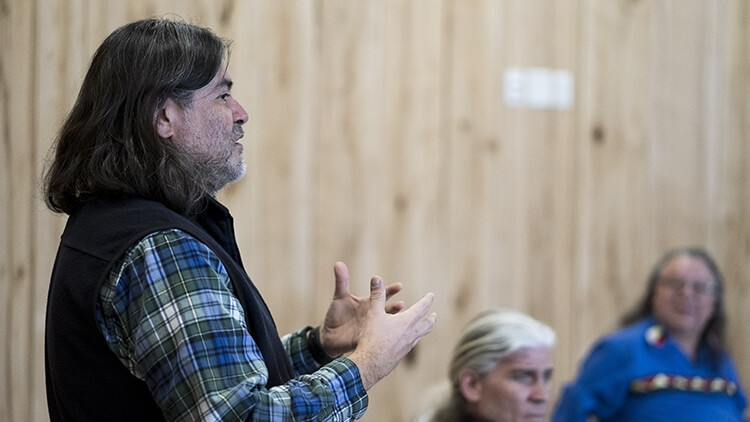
[168, 312]
[296, 346]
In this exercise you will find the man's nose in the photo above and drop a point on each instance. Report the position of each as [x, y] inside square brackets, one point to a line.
[239, 114]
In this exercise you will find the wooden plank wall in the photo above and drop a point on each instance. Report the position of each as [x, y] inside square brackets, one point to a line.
[378, 135]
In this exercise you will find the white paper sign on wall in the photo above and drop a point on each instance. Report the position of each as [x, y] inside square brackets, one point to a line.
[538, 88]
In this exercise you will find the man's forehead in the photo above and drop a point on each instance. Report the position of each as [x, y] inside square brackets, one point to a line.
[222, 79]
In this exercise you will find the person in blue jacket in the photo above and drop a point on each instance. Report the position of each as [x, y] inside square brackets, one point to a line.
[669, 362]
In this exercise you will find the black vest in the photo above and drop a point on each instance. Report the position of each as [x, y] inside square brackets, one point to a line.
[85, 380]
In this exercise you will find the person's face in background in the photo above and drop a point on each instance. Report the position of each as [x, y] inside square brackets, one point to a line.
[684, 297]
[517, 389]
[209, 130]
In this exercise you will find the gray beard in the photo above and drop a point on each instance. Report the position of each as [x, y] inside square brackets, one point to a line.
[216, 175]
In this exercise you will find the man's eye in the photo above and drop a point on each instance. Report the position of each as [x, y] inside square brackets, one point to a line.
[523, 377]
[224, 96]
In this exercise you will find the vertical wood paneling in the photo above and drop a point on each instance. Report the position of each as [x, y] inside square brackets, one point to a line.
[612, 176]
[18, 179]
[410, 244]
[378, 136]
[468, 153]
[6, 275]
[730, 197]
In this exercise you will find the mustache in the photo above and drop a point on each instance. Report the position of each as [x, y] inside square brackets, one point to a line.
[237, 132]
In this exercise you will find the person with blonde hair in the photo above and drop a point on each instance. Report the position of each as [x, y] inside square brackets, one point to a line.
[500, 371]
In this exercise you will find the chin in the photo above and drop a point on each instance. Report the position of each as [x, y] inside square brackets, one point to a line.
[242, 171]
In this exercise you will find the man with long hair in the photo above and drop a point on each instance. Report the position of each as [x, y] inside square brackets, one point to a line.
[669, 360]
[151, 314]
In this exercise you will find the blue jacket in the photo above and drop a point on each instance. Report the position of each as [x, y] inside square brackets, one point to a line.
[639, 374]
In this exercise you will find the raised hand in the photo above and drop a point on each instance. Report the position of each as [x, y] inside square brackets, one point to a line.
[347, 314]
[384, 339]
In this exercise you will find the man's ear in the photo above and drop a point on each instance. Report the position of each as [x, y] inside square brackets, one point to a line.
[470, 383]
[167, 117]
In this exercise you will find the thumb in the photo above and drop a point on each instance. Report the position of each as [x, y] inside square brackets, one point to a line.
[341, 272]
[377, 292]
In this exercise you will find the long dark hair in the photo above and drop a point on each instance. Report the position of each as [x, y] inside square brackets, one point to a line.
[108, 144]
[713, 334]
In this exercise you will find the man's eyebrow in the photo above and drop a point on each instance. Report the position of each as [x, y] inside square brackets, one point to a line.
[225, 83]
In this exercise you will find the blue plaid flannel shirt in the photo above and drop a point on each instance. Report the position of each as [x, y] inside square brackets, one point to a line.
[169, 313]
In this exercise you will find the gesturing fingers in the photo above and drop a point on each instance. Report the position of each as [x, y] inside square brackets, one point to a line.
[341, 272]
[417, 313]
[377, 292]
[420, 308]
[392, 289]
[395, 308]
[425, 325]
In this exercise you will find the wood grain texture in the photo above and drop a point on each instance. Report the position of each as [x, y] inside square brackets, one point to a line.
[378, 136]
[17, 300]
